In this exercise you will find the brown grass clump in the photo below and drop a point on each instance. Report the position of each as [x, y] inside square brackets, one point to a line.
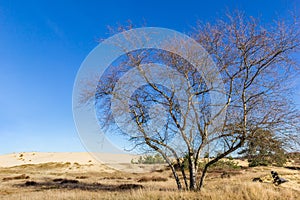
[63, 181]
[30, 183]
[42, 166]
[153, 178]
[130, 186]
[66, 181]
[82, 177]
[23, 176]
[70, 184]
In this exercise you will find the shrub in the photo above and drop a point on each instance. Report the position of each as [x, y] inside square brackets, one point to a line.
[223, 164]
[149, 159]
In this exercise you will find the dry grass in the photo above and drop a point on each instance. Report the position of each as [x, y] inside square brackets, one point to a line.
[151, 178]
[238, 192]
[22, 176]
[73, 181]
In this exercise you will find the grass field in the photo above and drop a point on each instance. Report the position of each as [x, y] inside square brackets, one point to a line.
[71, 180]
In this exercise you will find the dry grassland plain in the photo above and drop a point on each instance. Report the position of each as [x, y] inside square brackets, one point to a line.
[78, 176]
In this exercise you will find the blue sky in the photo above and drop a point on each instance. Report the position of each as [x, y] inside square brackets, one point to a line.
[42, 44]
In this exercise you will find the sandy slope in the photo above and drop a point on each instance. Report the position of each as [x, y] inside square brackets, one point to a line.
[15, 159]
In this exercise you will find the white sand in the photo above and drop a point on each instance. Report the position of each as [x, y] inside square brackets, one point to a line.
[16, 159]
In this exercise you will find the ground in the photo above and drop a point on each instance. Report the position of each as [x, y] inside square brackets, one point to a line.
[79, 176]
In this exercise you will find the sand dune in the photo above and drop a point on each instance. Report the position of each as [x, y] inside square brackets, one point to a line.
[83, 158]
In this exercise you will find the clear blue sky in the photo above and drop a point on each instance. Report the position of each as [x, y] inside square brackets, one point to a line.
[42, 44]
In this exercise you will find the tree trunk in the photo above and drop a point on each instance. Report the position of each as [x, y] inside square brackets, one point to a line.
[147, 140]
[203, 177]
[184, 175]
[179, 186]
[192, 171]
[232, 149]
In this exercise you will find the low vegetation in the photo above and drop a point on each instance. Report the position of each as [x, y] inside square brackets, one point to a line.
[149, 159]
[153, 178]
[227, 181]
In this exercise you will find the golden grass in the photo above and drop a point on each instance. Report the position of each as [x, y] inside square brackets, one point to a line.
[237, 192]
[91, 184]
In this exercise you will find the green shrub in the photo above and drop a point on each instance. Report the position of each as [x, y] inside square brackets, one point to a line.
[149, 159]
[222, 164]
[256, 162]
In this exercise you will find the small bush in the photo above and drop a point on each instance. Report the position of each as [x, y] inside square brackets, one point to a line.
[256, 162]
[222, 164]
[277, 160]
[230, 158]
[149, 159]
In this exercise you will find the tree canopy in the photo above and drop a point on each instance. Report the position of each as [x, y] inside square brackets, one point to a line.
[160, 101]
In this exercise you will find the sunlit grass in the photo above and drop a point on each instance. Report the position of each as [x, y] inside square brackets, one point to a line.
[156, 185]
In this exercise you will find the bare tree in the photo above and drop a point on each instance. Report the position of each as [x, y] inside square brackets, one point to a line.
[174, 116]
[258, 67]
